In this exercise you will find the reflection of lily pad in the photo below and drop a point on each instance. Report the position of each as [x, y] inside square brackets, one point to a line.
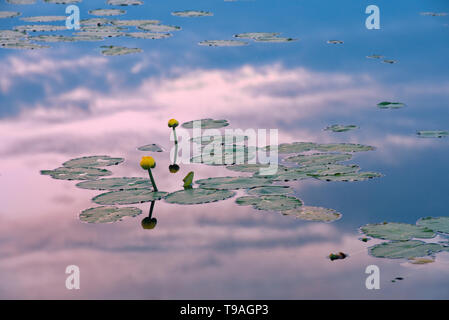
[222, 43]
[270, 202]
[390, 105]
[108, 214]
[438, 224]
[397, 231]
[313, 214]
[118, 50]
[9, 14]
[128, 197]
[206, 124]
[153, 147]
[116, 184]
[432, 134]
[232, 183]
[350, 177]
[192, 13]
[106, 12]
[124, 2]
[319, 158]
[270, 190]
[198, 196]
[340, 127]
[93, 162]
[404, 249]
[64, 173]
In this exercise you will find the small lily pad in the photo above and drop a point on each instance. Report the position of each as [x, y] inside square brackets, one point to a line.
[108, 214]
[64, 173]
[93, 162]
[232, 183]
[192, 13]
[397, 231]
[388, 61]
[198, 196]
[106, 12]
[390, 105]
[404, 249]
[432, 134]
[350, 177]
[158, 27]
[341, 127]
[9, 14]
[334, 169]
[44, 18]
[270, 190]
[270, 202]
[223, 43]
[335, 42]
[206, 124]
[434, 14]
[438, 224]
[23, 45]
[152, 147]
[118, 50]
[319, 158]
[124, 2]
[52, 38]
[116, 184]
[94, 22]
[313, 214]
[62, 1]
[131, 196]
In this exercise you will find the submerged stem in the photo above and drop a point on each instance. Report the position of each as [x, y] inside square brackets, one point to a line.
[152, 180]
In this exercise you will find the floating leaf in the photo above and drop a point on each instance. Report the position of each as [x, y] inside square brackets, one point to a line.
[335, 42]
[198, 196]
[270, 190]
[116, 184]
[319, 158]
[52, 38]
[152, 147]
[225, 155]
[128, 197]
[270, 202]
[389, 61]
[222, 43]
[192, 13]
[62, 1]
[94, 22]
[206, 124]
[390, 105]
[343, 147]
[432, 134]
[118, 50]
[404, 249]
[133, 23]
[414, 260]
[313, 214]
[93, 162]
[257, 35]
[108, 214]
[397, 231]
[333, 169]
[22, 45]
[290, 174]
[124, 2]
[158, 27]
[274, 39]
[64, 173]
[9, 14]
[106, 12]
[294, 147]
[337, 256]
[438, 224]
[232, 183]
[40, 28]
[434, 14]
[149, 35]
[21, 1]
[375, 56]
[226, 139]
[44, 18]
[252, 168]
[341, 127]
[350, 177]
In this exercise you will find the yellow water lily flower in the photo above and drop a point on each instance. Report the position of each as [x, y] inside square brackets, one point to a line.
[173, 123]
[147, 163]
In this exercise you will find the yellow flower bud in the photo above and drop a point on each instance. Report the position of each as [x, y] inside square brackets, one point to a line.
[147, 163]
[173, 123]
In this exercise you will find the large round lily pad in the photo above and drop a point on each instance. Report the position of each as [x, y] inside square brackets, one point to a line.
[93, 162]
[116, 184]
[198, 196]
[128, 197]
[64, 173]
[232, 183]
[438, 224]
[108, 214]
[313, 214]
[405, 249]
[270, 190]
[153, 147]
[206, 124]
[397, 231]
[270, 202]
[319, 158]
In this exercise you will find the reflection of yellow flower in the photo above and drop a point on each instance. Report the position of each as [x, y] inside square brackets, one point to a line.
[173, 123]
[147, 163]
[149, 223]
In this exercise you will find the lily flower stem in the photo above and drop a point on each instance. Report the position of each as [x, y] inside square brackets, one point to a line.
[152, 180]
[174, 135]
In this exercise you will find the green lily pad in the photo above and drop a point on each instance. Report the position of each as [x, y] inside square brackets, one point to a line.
[340, 127]
[222, 43]
[405, 249]
[291, 174]
[116, 184]
[397, 231]
[192, 13]
[40, 28]
[128, 197]
[88, 37]
[118, 50]
[270, 202]
[274, 39]
[388, 61]
[390, 105]
[335, 42]
[149, 35]
[343, 147]
[133, 23]
[158, 27]
[62, 1]
[44, 18]
[270, 190]
[256, 35]
[24, 45]
[9, 14]
[21, 1]
[252, 168]
[350, 177]
[294, 147]
[313, 214]
[375, 56]
[438, 224]
[198, 196]
[206, 124]
[333, 169]
[93, 162]
[232, 183]
[233, 154]
[319, 158]
[52, 38]
[226, 139]
[152, 147]
[432, 134]
[12, 35]
[124, 2]
[106, 12]
[64, 173]
[108, 214]
[94, 21]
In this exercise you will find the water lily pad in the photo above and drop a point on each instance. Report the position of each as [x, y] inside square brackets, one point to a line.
[333, 169]
[434, 14]
[252, 168]
[350, 177]
[219, 155]
[270, 190]
[106, 12]
[128, 197]
[124, 2]
[313, 214]
[274, 39]
[158, 27]
[375, 56]
[133, 23]
[343, 147]
[232, 183]
[404, 249]
[414, 260]
[432, 134]
[226, 139]
[24, 45]
[390, 105]
[94, 21]
[64, 173]
[116, 184]
[223, 43]
[88, 37]
[257, 35]
[108, 214]
[40, 28]
[198, 196]
[206, 124]
[294, 147]
[270, 202]
[149, 35]
[397, 231]
[152, 147]
[438, 224]
[290, 174]
[341, 127]
[9, 14]
[44, 18]
[21, 1]
[52, 38]
[389, 61]
[335, 42]
[192, 13]
[319, 158]
[93, 162]
[62, 1]
[118, 50]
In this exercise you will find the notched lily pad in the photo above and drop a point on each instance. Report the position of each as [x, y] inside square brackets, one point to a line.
[192, 13]
[198, 196]
[223, 43]
[152, 147]
[131, 196]
[118, 50]
[9, 14]
[341, 127]
[133, 23]
[107, 12]
[319, 158]
[108, 214]
[270, 190]
[390, 105]
[397, 231]
[232, 183]
[270, 202]
[432, 134]
[313, 214]
[64, 173]
[404, 249]
[438, 224]
[116, 184]
[93, 162]
[206, 124]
